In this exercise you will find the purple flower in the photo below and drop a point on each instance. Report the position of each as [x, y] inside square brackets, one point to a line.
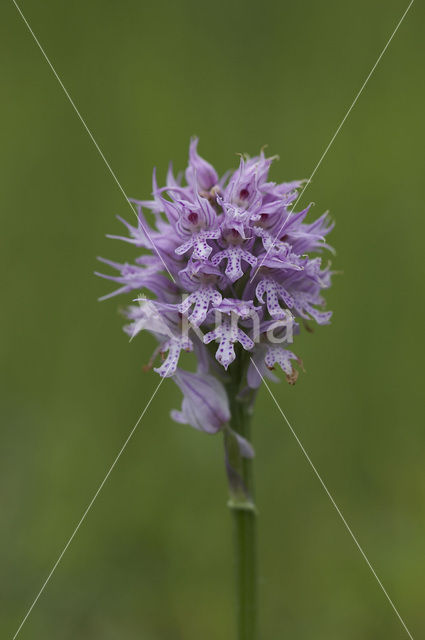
[205, 405]
[231, 272]
[200, 173]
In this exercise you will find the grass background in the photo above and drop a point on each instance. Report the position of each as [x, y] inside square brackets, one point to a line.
[153, 560]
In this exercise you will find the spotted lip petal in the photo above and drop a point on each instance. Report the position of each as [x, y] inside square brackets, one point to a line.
[234, 256]
[274, 292]
[200, 302]
[174, 347]
[228, 333]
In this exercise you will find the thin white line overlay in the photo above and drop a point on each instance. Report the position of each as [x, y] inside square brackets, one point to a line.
[88, 509]
[335, 135]
[91, 136]
[333, 501]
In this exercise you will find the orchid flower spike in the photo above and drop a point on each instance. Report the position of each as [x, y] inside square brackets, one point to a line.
[230, 272]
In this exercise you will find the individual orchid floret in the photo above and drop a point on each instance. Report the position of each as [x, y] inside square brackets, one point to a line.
[244, 187]
[196, 224]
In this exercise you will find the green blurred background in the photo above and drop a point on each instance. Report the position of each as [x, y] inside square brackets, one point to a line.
[153, 560]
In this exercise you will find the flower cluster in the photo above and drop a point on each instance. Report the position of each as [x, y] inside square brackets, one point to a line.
[229, 264]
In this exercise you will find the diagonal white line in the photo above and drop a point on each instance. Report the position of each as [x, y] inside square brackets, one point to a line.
[319, 477]
[335, 135]
[91, 136]
[88, 509]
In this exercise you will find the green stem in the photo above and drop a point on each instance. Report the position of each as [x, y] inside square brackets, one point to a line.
[246, 573]
[241, 486]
